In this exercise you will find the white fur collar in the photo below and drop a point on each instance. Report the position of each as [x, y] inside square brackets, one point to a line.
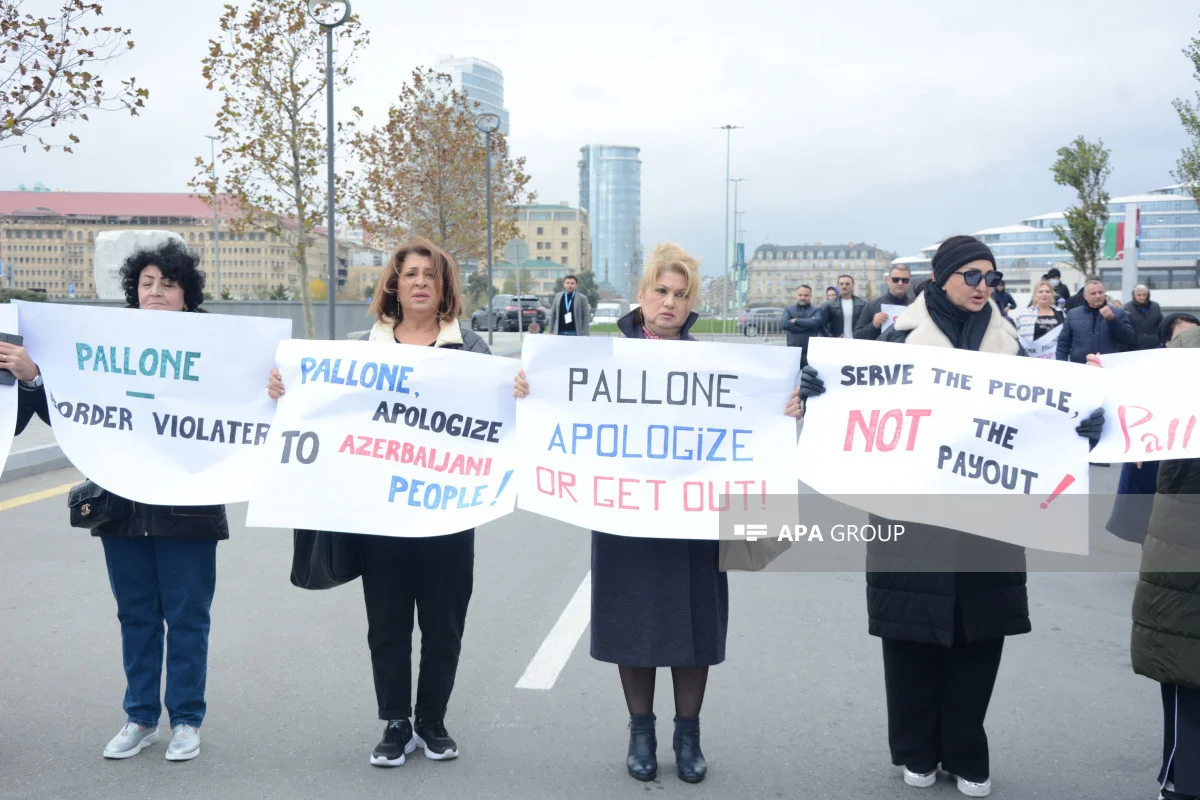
[451, 333]
[1000, 336]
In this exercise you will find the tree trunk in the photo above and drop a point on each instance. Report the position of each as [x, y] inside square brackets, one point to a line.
[301, 251]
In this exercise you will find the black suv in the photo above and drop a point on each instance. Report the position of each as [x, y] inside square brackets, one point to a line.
[507, 308]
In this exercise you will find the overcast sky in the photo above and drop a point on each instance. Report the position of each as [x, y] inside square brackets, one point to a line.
[867, 120]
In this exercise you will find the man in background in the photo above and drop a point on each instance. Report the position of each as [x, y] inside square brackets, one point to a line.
[841, 312]
[802, 321]
[873, 318]
[569, 311]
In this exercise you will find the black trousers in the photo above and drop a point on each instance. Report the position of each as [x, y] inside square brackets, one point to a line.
[1181, 739]
[435, 575]
[937, 698]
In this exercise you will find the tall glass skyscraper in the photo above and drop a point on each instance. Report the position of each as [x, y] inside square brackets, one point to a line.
[610, 190]
[480, 81]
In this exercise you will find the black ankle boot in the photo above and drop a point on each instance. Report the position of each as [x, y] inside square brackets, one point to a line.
[642, 760]
[689, 761]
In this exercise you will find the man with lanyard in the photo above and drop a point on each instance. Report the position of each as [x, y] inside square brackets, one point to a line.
[569, 312]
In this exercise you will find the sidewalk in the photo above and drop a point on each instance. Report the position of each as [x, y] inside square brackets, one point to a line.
[33, 452]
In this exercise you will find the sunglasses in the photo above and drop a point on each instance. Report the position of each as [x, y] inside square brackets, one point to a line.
[900, 280]
[972, 277]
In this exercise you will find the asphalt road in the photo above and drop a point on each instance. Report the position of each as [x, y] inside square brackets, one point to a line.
[796, 711]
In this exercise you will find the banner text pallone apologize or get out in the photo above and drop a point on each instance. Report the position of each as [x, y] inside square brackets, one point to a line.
[654, 439]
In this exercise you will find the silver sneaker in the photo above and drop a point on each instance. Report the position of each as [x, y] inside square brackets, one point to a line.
[185, 743]
[132, 739]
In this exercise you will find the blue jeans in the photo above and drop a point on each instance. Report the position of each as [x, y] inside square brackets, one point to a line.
[155, 581]
[566, 333]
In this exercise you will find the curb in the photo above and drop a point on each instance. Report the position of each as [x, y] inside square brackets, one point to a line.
[25, 463]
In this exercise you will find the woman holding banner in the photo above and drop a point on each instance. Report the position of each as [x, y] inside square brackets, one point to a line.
[417, 302]
[31, 398]
[943, 628]
[161, 560]
[660, 602]
[1042, 316]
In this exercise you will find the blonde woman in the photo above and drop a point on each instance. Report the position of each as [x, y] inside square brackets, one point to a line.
[660, 602]
[1042, 316]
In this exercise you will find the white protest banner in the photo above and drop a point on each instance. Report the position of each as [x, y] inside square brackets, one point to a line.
[652, 438]
[388, 439]
[8, 393]
[1150, 405]
[902, 430]
[1046, 347]
[166, 408]
[893, 311]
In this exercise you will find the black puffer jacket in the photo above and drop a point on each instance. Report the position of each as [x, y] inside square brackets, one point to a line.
[917, 585]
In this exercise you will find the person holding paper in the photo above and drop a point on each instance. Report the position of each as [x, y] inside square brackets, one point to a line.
[660, 602]
[1094, 327]
[874, 317]
[1042, 316]
[417, 302]
[162, 560]
[943, 629]
[569, 311]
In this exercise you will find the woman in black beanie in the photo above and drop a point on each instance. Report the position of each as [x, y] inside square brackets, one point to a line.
[943, 628]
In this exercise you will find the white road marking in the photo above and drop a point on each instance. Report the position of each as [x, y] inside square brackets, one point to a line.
[550, 659]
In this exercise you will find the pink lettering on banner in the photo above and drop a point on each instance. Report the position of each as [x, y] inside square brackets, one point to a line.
[555, 483]
[1150, 431]
[876, 434]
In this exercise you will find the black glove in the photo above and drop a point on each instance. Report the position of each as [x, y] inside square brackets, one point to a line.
[810, 384]
[1091, 427]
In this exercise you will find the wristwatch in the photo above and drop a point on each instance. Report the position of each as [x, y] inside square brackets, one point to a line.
[36, 383]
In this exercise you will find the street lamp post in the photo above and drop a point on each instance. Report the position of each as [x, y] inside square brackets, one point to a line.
[489, 123]
[329, 14]
[729, 129]
[216, 230]
[736, 266]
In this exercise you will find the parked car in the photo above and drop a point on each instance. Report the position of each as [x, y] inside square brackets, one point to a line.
[761, 321]
[507, 309]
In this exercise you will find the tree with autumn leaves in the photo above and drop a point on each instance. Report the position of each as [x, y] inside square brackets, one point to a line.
[423, 171]
[50, 72]
[268, 63]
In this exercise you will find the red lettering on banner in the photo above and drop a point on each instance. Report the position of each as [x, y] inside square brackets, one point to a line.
[347, 444]
[656, 484]
[623, 494]
[873, 432]
[596, 492]
[1152, 441]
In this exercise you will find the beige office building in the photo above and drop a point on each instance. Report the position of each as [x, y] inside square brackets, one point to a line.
[774, 272]
[553, 233]
[47, 243]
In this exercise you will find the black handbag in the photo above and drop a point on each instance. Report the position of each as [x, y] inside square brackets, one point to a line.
[92, 506]
[324, 559]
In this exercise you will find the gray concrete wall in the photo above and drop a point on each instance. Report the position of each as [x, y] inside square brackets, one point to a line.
[351, 314]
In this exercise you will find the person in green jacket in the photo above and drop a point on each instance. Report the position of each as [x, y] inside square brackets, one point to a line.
[1165, 643]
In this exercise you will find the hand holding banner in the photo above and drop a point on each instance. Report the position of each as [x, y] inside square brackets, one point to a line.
[653, 439]
[396, 440]
[167, 408]
[903, 429]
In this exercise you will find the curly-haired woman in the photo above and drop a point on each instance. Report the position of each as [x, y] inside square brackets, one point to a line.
[162, 561]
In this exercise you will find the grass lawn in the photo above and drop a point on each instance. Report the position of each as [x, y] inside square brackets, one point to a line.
[701, 326]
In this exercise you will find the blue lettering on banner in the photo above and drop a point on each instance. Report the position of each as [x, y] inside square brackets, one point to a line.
[674, 442]
[435, 496]
[380, 376]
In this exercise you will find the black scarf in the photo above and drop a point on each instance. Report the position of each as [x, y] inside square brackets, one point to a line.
[964, 329]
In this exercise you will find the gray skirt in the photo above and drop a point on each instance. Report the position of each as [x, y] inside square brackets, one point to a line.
[657, 602]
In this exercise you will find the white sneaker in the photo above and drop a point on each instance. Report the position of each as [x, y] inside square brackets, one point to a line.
[185, 743]
[972, 789]
[921, 780]
[131, 740]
